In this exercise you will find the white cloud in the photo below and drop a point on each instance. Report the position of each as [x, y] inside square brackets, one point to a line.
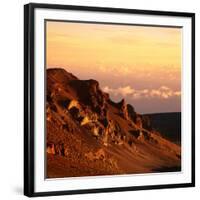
[162, 92]
[123, 91]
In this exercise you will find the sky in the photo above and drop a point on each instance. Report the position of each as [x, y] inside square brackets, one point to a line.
[141, 64]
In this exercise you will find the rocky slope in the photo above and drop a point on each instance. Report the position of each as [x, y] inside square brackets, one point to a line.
[89, 134]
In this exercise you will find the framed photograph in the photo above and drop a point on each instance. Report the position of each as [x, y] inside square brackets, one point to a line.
[109, 99]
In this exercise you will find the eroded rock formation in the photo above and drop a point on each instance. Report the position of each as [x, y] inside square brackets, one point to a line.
[88, 132]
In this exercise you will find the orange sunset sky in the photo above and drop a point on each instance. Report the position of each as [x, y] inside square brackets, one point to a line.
[139, 63]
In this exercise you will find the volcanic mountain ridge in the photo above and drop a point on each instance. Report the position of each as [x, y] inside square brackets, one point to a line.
[88, 134]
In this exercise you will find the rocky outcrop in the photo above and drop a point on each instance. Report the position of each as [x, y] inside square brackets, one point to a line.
[51, 148]
[132, 115]
[57, 149]
[90, 94]
[89, 118]
[146, 123]
[74, 104]
[123, 109]
[138, 122]
[89, 134]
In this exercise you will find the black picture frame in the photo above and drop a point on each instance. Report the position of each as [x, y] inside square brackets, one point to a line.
[29, 80]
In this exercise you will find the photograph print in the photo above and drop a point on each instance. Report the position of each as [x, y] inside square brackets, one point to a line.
[113, 99]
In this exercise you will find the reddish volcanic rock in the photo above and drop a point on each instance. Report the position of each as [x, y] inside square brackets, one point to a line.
[89, 134]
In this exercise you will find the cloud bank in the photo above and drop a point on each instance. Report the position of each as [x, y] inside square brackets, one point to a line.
[162, 92]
